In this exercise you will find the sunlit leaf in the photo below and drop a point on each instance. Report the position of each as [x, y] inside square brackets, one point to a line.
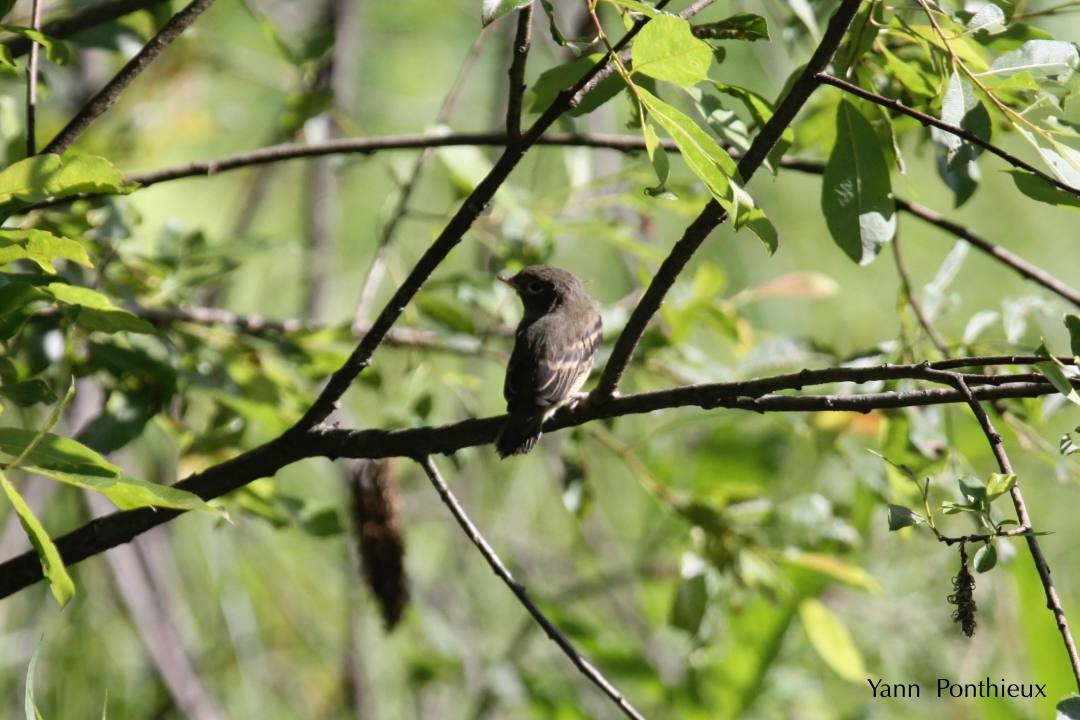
[832, 641]
[96, 311]
[856, 194]
[999, 484]
[1042, 58]
[52, 565]
[989, 18]
[985, 558]
[40, 247]
[666, 49]
[492, 10]
[56, 50]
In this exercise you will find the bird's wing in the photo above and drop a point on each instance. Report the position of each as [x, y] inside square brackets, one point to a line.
[564, 366]
[518, 388]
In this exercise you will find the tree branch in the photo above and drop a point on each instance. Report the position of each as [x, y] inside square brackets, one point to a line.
[947, 127]
[446, 241]
[522, 38]
[81, 19]
[109, 94]
[1053, 602]
[584, 666]
[713, 214]
[913, 300]
[756, 395]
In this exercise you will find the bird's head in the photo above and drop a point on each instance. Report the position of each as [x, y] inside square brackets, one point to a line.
[542, 288]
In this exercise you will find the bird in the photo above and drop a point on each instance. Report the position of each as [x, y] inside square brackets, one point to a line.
[554, 347]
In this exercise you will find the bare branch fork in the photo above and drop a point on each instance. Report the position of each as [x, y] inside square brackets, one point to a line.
[497, 566]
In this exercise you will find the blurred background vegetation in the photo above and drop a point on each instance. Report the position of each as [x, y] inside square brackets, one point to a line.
[792, 596]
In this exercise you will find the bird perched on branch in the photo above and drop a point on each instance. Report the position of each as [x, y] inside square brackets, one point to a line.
[554, 347]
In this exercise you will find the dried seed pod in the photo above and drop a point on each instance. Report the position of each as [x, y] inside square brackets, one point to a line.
[375, 503]
[963, 596]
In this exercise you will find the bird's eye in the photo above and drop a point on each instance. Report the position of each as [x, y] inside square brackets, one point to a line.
[536, 287]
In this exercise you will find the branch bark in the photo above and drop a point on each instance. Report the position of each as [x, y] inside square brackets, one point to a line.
[108, 95]
[758, 395]
[584, 666]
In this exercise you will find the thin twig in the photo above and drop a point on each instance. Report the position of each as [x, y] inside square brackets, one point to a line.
[492, 558]
[522, 37]
[446, 241]
[947, 127]
[1002, 255]
[754, 395]
[1053, 602]
[713, 214]
[913, 300]
[109, 94]
[82, 19]
[377, 268]
[32, 82]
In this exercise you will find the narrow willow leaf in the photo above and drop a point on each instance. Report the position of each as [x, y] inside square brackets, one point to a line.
[740, 26]
[492, 10]
[856, 191]
[1054, 372]
[29, 705]
[97, 312]
[1039, 189]
[553, 26]
[55, 50]
[657, 155]
[902, 517]
[911, 75]
[666, 49]
[961, 107]
[706, 159]
[835, 568]
[832, 641]
[52, 565]
[1072, 324]
[1042, 58]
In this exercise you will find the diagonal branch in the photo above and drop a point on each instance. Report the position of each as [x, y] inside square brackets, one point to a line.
[956, 130]
[522, 37]
[108, 95]
[713, 214]
[1053, 601]
[913, 300]
[584, 666]
[755, 395]
[447, 240]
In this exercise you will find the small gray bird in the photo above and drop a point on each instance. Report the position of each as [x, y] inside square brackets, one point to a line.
[554, 347]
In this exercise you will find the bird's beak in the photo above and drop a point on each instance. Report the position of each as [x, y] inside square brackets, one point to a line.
[509, 280]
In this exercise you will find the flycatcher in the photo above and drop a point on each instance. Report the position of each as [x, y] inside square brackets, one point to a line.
[554, 348]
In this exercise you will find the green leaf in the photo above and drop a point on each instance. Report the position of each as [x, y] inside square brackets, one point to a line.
[902, 517]
[657, 156]
[856, 192]
[911, 74]
[561, 77]
[40, 247]
[56, 50]
[52, 565]
[1042, 58]
[706, 159]
[740, 26]
[47, 176]
[835, 568]
[1068, 709]
[1053, 370]
[1072, 324]
[666, 49]
[985, 558]
[28, 392]
[96, 311]
[832, 641]
[998, 485]
[989, 18]
[1039, 189]
[690, 603]
[492, 10]
[446, 312]
[5, 7]
[29, 706]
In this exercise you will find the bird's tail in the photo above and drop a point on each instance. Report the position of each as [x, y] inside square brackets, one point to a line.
[520, 434]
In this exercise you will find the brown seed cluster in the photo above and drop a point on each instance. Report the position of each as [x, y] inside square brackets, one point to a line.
[376, 514]
[963, 596]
